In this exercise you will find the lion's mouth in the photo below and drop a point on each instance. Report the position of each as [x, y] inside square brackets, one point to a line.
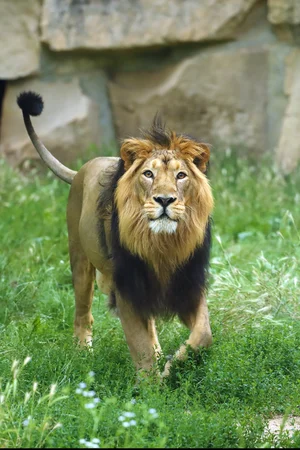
[163, 224]
[163, 215]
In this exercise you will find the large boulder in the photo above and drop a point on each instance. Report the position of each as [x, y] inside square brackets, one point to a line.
[285, 16]
[288, 152]
[68, 125]
[218, 96]
[19, 38]
[115, 24]
[284, 11]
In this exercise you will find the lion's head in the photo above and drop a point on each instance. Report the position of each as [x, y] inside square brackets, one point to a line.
[164, 198]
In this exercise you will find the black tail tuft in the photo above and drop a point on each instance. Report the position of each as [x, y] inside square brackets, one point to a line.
[30, 103]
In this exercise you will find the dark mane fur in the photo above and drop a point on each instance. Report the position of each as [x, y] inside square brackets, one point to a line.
[137, 282]
[158, 134]
[106, 199]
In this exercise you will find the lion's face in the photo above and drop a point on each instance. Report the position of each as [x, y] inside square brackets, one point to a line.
[164, 198]
[164, 187]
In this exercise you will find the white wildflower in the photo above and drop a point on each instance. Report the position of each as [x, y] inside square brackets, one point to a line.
[82, 385]
[96, 400]
[126, 424]
[153, 413]
[78, 391]
[129, 414]
[89, 405]
[121, 418]
[26, 421]
[82, 441]
[96, 441]
[91, 374]
[91, 393]
[132, 422]
[34, 387]
[133, 401]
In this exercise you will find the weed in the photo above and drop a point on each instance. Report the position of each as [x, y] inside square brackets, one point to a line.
[220, 397]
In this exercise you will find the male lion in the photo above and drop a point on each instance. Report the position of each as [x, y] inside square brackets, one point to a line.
[142, 222]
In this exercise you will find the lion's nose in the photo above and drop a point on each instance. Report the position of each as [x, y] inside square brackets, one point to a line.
[164, 201]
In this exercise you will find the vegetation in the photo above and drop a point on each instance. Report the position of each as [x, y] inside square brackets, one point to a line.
[52, 395]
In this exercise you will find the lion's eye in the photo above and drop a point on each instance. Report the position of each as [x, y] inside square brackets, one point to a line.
[148, 174]
[181, 175]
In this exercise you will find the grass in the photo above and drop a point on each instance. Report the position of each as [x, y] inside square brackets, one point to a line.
[221, 397]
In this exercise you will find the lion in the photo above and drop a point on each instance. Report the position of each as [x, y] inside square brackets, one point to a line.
[140, 224]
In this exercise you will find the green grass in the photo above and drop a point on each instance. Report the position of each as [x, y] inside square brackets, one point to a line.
[221, 397]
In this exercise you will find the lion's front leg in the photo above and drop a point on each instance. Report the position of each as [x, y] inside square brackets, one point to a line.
[200, 336]
[140, 335]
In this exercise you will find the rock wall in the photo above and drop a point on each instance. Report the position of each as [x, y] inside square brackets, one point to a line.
[224, 71]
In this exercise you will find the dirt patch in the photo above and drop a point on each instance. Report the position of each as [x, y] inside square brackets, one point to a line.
[279, 424]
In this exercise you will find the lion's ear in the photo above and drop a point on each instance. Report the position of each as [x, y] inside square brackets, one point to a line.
[127, 153]
[133, 149]
[201, 157]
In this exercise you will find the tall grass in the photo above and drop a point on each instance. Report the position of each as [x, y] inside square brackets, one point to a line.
[52, 395]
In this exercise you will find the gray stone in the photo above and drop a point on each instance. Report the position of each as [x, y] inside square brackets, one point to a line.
[68, 125]
[19, 37]
[288, 151]
[285, 16]
[115, 24]
[217, 96]
[284, 11]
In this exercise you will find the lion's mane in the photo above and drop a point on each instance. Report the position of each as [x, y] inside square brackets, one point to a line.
[160, 274]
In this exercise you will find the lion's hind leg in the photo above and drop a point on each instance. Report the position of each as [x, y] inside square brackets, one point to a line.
[83, 275]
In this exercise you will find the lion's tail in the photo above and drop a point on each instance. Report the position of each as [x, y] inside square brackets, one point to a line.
[32, 104]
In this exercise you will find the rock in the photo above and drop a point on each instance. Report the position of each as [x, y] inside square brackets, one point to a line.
[284, 11]
[114, 24]
[285, 16]
[217, 96]
[19, 37]
[288, 152]
[68, 125]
